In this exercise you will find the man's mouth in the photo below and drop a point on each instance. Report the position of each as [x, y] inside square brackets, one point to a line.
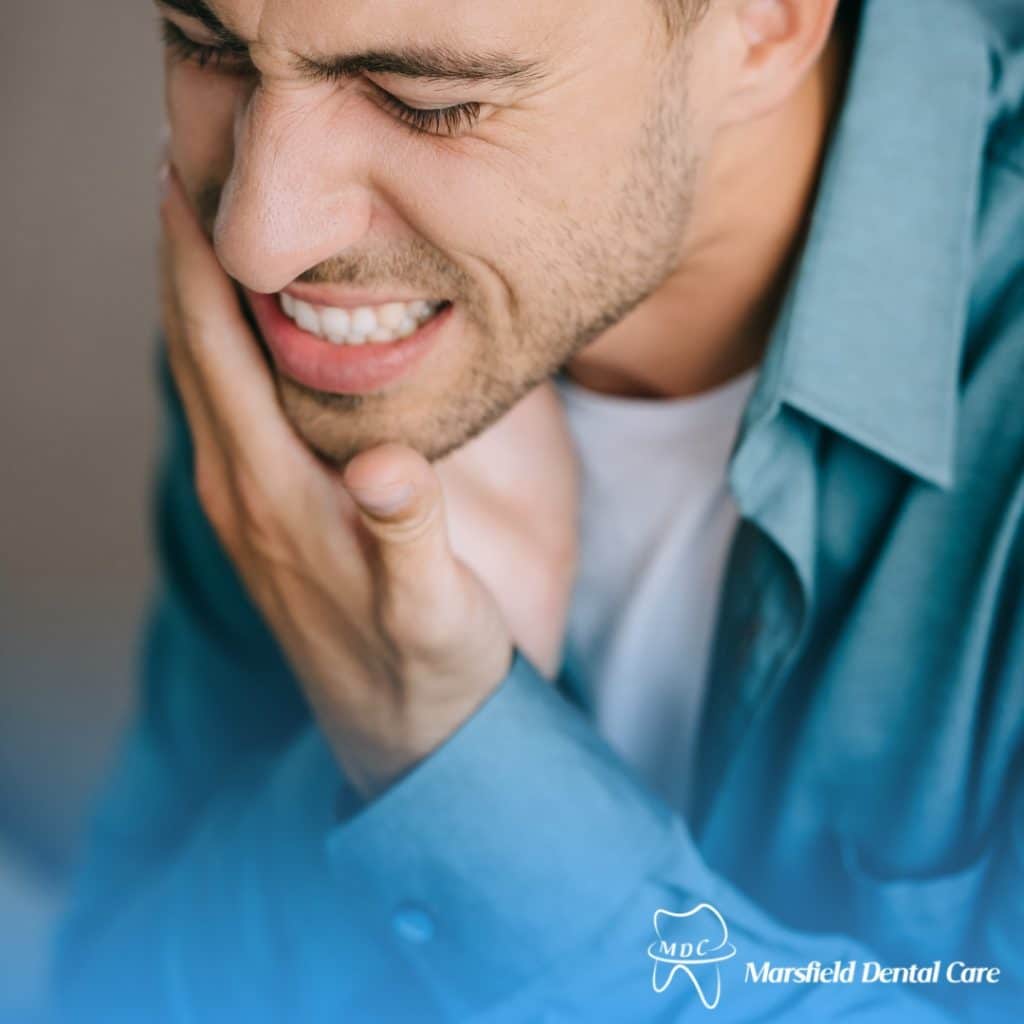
[355, 349]
[378, 325]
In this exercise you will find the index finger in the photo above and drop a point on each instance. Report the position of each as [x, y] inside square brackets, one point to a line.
[226, 357]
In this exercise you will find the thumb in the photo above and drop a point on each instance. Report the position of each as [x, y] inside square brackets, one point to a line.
[430, 603]
[401, 503]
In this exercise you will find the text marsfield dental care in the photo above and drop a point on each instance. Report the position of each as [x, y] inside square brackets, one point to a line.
[871, 972]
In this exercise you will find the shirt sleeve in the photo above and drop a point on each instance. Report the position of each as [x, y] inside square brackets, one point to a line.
[519, 873]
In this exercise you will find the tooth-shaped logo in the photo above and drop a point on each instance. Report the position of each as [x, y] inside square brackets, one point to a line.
[694, 942]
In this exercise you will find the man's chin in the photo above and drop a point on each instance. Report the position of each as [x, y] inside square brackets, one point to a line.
[339, 427]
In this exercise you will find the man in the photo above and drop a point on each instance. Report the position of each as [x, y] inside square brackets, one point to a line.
[772, 257]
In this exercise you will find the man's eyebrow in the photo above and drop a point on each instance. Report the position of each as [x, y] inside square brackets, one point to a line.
[202, 12]
[432, 63]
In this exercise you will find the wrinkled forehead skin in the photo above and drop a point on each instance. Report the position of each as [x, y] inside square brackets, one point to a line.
[533, 29]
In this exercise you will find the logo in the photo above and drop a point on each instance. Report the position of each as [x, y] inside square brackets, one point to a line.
[694, 942]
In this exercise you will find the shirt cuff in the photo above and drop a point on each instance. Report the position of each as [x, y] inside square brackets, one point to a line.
[508, 846]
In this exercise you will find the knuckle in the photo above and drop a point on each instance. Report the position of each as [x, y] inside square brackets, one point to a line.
[190, 328]
[265, 520]
[187, 323]
[258, 500]
[255, 511]
[419, 625]
[251, 510]
[395, 620]
[410, 531]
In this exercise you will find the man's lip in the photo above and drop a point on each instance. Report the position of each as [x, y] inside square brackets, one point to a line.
[341, 369]
[344, 298]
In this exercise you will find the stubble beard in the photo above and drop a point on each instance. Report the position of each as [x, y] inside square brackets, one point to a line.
[590, 279]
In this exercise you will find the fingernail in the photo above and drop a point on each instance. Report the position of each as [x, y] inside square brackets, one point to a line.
[384, 502]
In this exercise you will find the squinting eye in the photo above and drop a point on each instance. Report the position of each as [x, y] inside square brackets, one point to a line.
[233, 59]
[430, 121]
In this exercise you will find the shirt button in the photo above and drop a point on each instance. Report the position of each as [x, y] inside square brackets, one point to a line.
[413, 923]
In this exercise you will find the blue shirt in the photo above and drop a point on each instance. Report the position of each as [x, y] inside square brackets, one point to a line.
[859, 794]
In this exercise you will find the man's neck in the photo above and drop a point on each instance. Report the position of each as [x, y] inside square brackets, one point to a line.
[711, 319]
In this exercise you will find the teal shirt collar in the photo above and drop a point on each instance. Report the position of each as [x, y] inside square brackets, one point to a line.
[869, 339]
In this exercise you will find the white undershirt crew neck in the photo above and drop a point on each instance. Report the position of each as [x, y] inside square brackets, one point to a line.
[656, 523]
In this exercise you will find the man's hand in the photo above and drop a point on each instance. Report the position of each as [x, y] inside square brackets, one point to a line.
[396, 626]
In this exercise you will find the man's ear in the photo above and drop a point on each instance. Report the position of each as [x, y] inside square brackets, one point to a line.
[776, 43]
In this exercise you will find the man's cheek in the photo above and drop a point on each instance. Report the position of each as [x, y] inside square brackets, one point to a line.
[460, 194]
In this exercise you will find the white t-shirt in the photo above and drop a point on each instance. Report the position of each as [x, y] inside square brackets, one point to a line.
[656, 523]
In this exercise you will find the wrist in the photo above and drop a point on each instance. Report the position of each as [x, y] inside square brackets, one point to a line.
[374, 756]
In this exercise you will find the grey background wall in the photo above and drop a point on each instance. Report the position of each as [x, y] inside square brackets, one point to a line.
[80, 124]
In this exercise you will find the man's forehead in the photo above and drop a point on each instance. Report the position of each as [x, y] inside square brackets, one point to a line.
[360, 21]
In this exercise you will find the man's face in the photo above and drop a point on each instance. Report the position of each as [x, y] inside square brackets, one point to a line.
[539, 218]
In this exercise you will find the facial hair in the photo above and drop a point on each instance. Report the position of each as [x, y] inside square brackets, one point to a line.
[575, 281]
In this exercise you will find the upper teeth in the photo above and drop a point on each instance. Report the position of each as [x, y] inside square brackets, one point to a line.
[380, 324]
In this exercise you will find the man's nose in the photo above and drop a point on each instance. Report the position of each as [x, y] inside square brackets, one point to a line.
[296, 194]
